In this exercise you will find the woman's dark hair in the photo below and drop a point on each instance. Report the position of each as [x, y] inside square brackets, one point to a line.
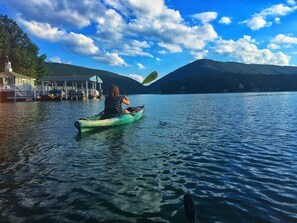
[113, 91]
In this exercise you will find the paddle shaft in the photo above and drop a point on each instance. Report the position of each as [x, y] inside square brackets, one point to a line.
[190, 208]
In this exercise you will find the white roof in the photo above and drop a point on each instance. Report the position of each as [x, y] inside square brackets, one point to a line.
[73, 78]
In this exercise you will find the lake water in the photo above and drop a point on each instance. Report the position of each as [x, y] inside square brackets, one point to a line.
[236, 153]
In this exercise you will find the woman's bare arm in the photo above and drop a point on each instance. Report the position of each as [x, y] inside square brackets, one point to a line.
[126, 100]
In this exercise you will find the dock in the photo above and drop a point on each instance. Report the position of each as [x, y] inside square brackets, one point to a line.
[18, 87]
[75, 87]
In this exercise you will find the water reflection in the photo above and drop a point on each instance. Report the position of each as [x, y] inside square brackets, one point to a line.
[131, 191]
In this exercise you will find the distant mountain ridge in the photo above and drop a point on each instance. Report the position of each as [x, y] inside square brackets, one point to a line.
[206, 66]
[200, 76]
[209, 76]
[235, 67]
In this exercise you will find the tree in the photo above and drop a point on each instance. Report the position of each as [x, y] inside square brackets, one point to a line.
[41, 68]
[21, 51]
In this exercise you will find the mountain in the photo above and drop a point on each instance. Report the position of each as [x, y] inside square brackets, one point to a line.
[209, 76]
[200, 76]
[125, 84]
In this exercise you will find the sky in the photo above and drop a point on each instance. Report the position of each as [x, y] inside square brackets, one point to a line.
[136, 37]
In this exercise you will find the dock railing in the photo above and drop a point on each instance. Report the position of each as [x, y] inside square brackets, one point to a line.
[18, 92]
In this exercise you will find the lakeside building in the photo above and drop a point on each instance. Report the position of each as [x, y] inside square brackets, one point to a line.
[75, 87]
[18, 87]
[15, 86]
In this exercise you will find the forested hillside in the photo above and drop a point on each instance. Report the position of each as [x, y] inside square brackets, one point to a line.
[208, 76]
[125, 84]
[201, 76]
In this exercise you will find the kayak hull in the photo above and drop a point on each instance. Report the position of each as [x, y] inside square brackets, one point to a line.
[101, 121]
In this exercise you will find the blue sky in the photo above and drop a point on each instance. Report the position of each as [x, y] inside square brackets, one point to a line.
[135, 37]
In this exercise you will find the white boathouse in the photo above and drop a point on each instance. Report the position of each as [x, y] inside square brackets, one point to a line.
[15, 86]
[73, 86]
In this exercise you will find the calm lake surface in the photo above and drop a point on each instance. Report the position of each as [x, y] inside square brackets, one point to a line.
[236, 153]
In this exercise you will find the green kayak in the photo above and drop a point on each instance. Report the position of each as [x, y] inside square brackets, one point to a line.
[101, 121]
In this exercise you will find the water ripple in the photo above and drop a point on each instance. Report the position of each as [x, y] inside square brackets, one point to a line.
[235, 152]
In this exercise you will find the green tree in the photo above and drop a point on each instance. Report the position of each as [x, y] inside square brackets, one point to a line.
[41, 68]
[22, 53]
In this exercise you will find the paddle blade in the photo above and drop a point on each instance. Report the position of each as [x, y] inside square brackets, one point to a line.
[190, 208]
[151, 77]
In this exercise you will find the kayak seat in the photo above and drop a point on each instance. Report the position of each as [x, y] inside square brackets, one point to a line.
[133, 109]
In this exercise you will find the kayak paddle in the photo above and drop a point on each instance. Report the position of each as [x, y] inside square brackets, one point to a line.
[190, 208]
[151, 77]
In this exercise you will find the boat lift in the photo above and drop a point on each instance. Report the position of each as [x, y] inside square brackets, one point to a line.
[74, 87]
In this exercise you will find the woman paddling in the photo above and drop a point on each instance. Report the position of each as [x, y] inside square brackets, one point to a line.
[113, 102]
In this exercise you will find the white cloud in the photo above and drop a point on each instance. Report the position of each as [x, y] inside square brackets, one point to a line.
[136, 77]
[277, 20]
[205, 17]
[247, 51]
[259, 20]
[171, 47]
[77, 14]
[277, 10]
[110, 27]
[284, 39]
[81, 44]
[130, 27]
[112, 59]
[140, 28]
[136, 48]
[199, 55]
[195, 38]
[207, 33]
[225, 20]
[140, 66]
[143, 28]
[78, 43]
[147, 8]
[162, 51]
[117, 5]
[291, 2]
[115, 60]
[155, 22]
[167, 29]
[43, 30]
[273, 46]
[56, 60]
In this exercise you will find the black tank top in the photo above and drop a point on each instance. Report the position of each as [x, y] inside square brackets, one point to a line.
[113, 105]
